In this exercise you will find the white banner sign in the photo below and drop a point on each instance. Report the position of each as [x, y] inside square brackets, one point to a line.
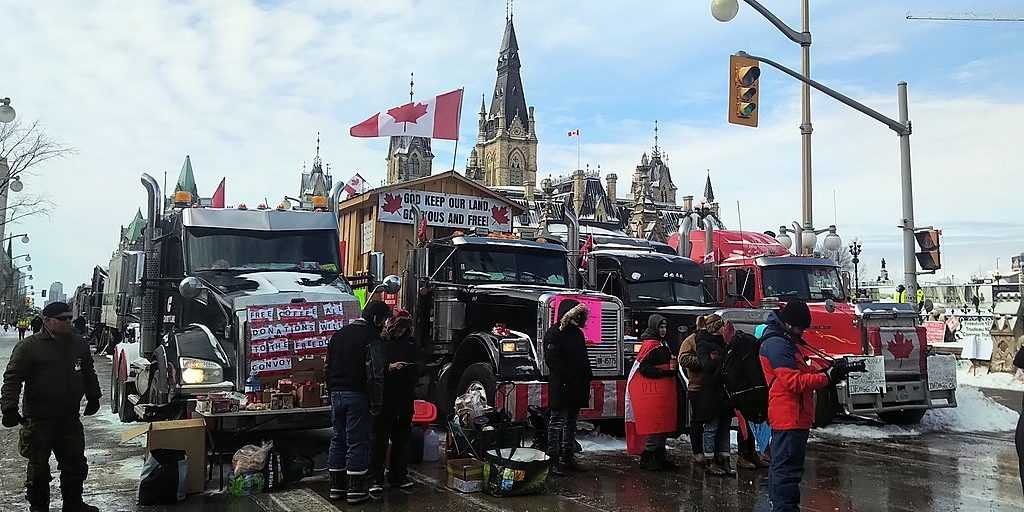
[869, 382]
[445, 210]
[941, 372]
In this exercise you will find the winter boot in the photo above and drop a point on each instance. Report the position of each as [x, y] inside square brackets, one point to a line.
[71, 493]
[712, 468]
[358, 487]
[556, 468]
[661, 456]
[376, 488]
[745, 461]
[39, 499]
[722, 460]
[761, 461]
[649, 462]
[401, 482]
[699, 458]
[339, 484]
[570, 463]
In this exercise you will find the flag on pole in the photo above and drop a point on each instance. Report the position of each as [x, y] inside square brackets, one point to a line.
[218, 195]
[436, 118]
[575, 133]
[585, 250]
[709, 195]
[354, 185]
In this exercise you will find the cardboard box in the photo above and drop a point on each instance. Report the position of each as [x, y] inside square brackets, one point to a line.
[188, 435]
[307, 397]
[300, 377]
[465, 475]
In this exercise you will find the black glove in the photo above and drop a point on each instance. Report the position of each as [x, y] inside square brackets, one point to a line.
[11, 418]
[839, 371]
[91, 407]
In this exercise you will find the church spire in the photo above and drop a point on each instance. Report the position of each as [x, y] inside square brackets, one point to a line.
[508, 88]
[656, 153]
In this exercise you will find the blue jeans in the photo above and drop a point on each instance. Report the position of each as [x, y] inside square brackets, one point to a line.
[352, 425]
[789, 447]
[716, 435]
[562, 433]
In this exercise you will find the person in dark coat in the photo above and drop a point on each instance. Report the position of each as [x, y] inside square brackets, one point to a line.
[80, 325]
[394, 423]
[36, 324]
[565, 354]
[355, 379]
[689, 361]
[1018, 437]
[715, 406]
[656, 361]
[57, 371]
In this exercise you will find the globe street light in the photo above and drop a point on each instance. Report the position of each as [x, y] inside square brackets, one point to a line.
[26, 256]
[7, 113]
[855, 251]
[726, 10]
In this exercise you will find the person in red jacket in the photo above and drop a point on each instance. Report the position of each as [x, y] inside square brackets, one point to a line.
[791, 385]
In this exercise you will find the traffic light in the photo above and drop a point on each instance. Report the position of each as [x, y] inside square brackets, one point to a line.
[743, 75]
[928, 257]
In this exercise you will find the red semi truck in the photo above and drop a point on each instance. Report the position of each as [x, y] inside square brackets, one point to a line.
[753, 270]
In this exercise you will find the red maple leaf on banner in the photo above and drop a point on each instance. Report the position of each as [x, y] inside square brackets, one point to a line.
[500, 215]
[392, 202]
[408, 113]
[900, 347]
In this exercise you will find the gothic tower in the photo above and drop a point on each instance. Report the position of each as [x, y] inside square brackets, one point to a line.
[506, 148]
[409, 158]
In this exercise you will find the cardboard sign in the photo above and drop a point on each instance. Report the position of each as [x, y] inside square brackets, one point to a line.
[936, 331]
[592, 331]
[941, 372]
[870, 382]
[445, 210]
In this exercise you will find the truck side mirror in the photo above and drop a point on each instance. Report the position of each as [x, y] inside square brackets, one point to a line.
[391, 284]
[190, 287]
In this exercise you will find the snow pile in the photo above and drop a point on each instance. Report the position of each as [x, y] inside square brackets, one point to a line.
[974, 412]
[980, 377]
[602, 443]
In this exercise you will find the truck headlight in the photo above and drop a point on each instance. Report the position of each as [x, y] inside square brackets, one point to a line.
[515, 347]
[200, 371]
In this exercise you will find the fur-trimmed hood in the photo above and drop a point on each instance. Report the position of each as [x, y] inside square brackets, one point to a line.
[574, 313]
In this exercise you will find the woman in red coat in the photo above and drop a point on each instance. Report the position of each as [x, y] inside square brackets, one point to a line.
[651, 396]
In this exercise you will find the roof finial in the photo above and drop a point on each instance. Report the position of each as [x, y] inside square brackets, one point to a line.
[655, 135]
[318, 144]
[410, 87]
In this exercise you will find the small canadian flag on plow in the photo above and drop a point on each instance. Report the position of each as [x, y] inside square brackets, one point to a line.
[354, 185]
[437, 118]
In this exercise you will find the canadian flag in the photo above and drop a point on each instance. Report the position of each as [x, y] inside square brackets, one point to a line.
[437, 118]
[354, 185]
[218, 195]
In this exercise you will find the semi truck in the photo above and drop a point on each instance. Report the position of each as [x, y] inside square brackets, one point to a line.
[222, 294]
[482, 303]
[748, 270]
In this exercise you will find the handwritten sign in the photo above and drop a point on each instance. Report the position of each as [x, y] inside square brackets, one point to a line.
[281, 332]
[941, 372]
[936, 331]
[445, 210]
[870, 382]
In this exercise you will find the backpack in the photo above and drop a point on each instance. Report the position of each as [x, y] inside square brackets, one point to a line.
[741, 374]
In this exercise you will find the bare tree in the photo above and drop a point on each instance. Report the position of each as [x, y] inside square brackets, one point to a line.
[844, 258]
[25, 146]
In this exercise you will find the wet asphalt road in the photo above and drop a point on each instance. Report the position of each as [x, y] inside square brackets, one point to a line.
[940, 472]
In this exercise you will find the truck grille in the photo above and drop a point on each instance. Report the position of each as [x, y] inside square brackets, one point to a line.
[606, 357]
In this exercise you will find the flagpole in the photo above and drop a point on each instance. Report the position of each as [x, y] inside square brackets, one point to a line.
[578, 149]
[458, 125]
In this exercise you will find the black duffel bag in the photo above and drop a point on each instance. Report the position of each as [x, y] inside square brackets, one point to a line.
[164, 479]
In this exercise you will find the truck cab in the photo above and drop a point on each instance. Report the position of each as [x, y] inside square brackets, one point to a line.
[481, 306]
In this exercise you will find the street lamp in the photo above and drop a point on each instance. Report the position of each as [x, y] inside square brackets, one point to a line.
[726, 10]
[7, 113]
[26, 256]
[855, 252]
[807, 239]
[24, 237]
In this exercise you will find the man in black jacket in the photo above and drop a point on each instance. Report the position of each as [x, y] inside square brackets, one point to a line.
[355, 378]
[565, 353]
[56, 369]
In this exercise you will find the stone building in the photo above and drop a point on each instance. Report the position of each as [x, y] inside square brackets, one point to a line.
[505, 154]
[409, 158]
[318, 181]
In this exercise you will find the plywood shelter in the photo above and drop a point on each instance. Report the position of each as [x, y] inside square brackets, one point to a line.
[380, 220]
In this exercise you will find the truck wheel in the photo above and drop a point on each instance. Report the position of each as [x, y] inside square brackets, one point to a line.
[909, 417]
[115, 398]
[480, 377]
[826, 406]
[126, 411]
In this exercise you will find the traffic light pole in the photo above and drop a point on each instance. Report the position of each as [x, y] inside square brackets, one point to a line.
[903, 129]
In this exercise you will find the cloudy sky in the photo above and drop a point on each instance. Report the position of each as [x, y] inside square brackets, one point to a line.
[244, 88]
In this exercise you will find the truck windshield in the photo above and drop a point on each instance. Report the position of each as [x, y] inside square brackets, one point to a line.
[804, 282]
[244, 250]
[512, 267]
[666, 292]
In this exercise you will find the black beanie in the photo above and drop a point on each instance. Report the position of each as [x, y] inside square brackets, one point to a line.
[55, 309]
[374, 310]
[796, 313]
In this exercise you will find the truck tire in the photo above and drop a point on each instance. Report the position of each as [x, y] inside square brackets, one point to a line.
[126, 411]
[908, 417]
[826, 406]
[479, 376]
[115, 398]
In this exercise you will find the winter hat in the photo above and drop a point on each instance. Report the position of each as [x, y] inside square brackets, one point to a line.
[577, 313]
[55, 309]
[713, 323]
[374, 310]
[564, 307]
[654, 321]
[796, 313]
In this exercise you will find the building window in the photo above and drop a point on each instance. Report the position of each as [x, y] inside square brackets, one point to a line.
[515, 174]
[414, 166]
